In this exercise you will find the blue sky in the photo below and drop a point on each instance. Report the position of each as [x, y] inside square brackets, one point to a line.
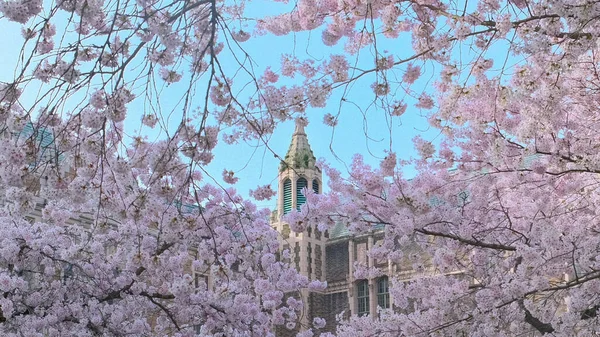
[358, 116]
[337, 146]
[253, 163]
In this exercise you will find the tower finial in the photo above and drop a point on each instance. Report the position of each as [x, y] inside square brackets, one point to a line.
[301, 122]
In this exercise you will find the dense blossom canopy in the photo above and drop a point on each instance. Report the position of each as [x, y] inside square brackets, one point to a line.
[106, 232]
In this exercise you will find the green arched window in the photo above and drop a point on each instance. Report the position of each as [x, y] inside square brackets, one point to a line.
[315, 186]
[300, 198]
[287, 196]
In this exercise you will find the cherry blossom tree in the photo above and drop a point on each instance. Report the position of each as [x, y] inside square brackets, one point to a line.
[503, 208]
[106, 232]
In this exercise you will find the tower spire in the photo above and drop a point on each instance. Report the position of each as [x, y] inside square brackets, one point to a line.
[298, 175]
[299, 154]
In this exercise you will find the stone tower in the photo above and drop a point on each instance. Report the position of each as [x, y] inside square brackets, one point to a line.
[296, 172]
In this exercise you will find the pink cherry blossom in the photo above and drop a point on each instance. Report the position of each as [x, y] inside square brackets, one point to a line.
[240, 36]
[228, 177]
[425, 102]
[262, 193]
[110, 227]
[411, 74]
[20, 11]
[169, 76]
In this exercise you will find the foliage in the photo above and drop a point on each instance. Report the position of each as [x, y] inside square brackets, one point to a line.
[504, 208]
[511, 238]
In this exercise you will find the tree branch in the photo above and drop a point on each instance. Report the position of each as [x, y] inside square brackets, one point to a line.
[475, 243]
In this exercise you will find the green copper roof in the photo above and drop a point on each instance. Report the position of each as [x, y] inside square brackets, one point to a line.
[340, 230]
[42, 136]
[44, 139]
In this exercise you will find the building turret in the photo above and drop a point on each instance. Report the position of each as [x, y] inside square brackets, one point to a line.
[297, 171]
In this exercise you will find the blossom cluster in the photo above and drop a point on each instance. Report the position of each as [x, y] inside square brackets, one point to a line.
[262, 193]
[99, 226]
[20, 11]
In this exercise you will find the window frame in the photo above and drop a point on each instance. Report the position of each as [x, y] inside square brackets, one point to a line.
[362, 298]
[383, 292]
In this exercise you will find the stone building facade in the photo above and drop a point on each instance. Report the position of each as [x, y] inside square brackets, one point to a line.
[331, 255]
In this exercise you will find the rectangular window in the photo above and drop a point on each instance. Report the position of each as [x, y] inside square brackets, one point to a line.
[285, 232]
[383, 293]
[363, 297]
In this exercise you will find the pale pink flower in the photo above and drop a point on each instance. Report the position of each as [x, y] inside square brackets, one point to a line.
[9, 92]
[329, 38]
[307, 68]
[329, 119]
[289, 65]
[384, 63]
[219, 94]
[262, 193]
[169, 76]
[270, 76]
[44, 71]
[504, 25]
[519, 3]
[149, 120]
[338, 66]
[398, 109]
[317, 95]
[98, 99]
[317, 285]
[425, 102]
[318, 323]
[164, 57]
[380, 89]
[228, 177]
[462, 30]
[411, 74]
[240, 36]
[44, 46]
[423, 147]
[28, 33]
[388, 164]
[20, 10]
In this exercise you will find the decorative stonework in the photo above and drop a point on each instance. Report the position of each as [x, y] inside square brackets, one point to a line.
[299, 155]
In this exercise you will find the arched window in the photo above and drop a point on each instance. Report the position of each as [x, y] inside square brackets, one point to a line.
[300, 198]
[362, 296]
[383, 292]
[315, 186]
[287, 196]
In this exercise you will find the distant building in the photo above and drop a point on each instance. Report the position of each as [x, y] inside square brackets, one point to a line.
[331, 255]
[327, 256]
